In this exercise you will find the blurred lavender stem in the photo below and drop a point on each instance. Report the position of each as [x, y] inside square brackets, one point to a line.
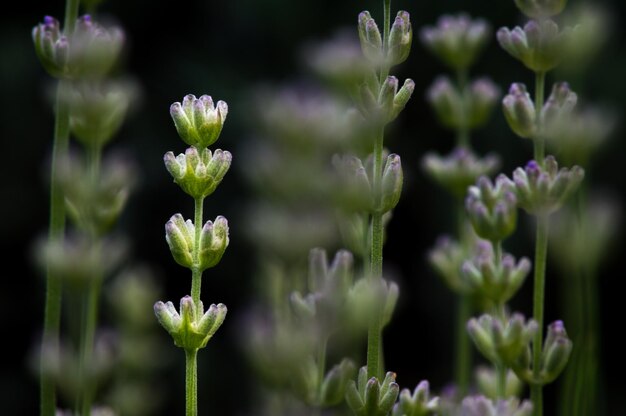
[52, 308]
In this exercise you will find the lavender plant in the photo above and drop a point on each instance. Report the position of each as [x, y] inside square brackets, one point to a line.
[457, 40]
[91, 192]
[193, 245]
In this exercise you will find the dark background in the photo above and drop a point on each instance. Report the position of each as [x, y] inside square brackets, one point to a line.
[227, 49]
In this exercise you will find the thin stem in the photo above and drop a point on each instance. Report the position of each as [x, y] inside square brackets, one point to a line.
[541, 252]
[56, 231]
[71, 14]
[462, 133]
[539, 142]
[196, 273]
[191, 382]
[463, 362]
[376, 261]
[501, 371]
[497, 252]
[91, 319]
[321, 371]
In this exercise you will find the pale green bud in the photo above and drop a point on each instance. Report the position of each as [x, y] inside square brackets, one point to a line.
[213, 242]
[557, 348]
[417, 404]
[492, 209]
[333, 389]
[371, 39]
[487, 382]
[179, 235]
[371, 397]
[391, 183]
[400, 39]
[519, 111]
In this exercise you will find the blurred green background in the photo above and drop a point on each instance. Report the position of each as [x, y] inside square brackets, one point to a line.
[228, 50]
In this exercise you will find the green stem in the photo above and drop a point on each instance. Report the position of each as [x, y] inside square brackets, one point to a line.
[462, 133]
[87, 348]
[376, 261]
[196, 273]
[56, 231]
[501, 371]
[321, 371]
[463, 362]
[191, 382]
[541, 252]
[539, 145]
[384, 70]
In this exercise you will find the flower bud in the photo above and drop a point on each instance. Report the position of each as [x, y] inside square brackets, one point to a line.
[446, 258]
[502, 342]
[198, 121]
[559, 105]
[480, 99]
[495, 280]
[492, 209]
[388, 92]
[460, 169]
[402, 97]
[539, 46]
[370, 37]
[192, 328]
[557, 348]
[198, 173]
[88, 52]
[481, 406]
[538, 9]
[400, 38]
[179, 235]
[354, 189]
[371, 397]
[519, 111]
[456, 40]
[447, 102]
[333, 389]
[97, 110]
[541, 190]
[366, 299]
[95, 202]
[487, 382]
[417, 404]
[391, 183]
[213, 242]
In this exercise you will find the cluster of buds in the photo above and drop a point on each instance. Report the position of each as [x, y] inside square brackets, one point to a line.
[329, 286]
[447, 258]
[557, 348]
[459, 170]
[540, 46]
[469, 108]
[482, 406]
[384, 102]
[542, 189]
[97, 109]
[199, 121]
[371, 397]
[180, 236]
[317, 391]
[398, 44]
[496, 280]
[192, 328]
[357, 190]
[419, 403]
[520, 112]
[94, 203]
[90, 51]
[502, 342]
[78, 261]
[370, 299]
[456, 40]
[487, 383]
[198, 172]
[492, 208]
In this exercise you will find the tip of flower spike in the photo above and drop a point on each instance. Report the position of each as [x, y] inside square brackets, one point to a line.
[49, 20]
[532, 165]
